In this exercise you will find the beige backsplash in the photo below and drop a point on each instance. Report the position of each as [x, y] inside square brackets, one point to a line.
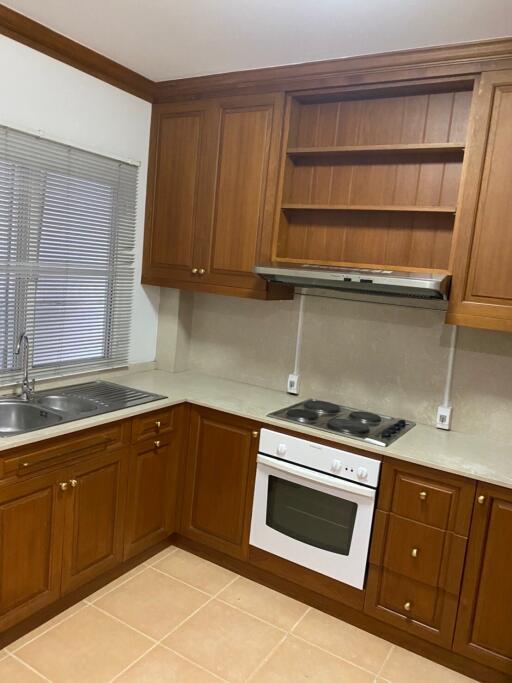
[392, 359]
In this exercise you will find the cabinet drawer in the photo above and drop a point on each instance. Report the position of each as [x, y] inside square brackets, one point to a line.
[152, 425]
[414, 550]
[423, 501]
[412, 599]
[63, 450]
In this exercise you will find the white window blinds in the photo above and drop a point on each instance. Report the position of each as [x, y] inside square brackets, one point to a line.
[67, 236]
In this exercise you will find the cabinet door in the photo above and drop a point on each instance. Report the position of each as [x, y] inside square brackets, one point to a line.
[31, 522]
[249, 134]
[93, 535]
[152, 488]
[482, 283]
[180, 190]
[219, 481]
[484, 627]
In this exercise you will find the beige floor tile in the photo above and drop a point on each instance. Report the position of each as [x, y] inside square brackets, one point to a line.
[263, 602]
[89, 646]
[152, 602]
[160, 556]
[295, 662]
[195, 571]
[44, 627]
[225, 641]
[114, 584]
[344, 640]
[163, 666]
[404, 666]
[12, 671]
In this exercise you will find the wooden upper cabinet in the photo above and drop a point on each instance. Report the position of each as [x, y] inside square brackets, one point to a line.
[484, 630]
[482, 281]
[211, 194]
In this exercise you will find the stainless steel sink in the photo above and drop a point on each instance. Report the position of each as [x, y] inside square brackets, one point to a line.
[56, 406]
[18, 416]
[67, 404]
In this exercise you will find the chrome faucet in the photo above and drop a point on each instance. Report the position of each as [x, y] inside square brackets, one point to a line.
[27, 387]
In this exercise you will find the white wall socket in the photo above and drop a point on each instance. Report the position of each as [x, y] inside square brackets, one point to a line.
[293, 384]
[444, 417]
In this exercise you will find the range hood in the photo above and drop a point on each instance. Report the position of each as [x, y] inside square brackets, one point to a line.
[369, 281]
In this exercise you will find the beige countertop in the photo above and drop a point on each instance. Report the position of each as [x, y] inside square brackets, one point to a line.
[454, 452]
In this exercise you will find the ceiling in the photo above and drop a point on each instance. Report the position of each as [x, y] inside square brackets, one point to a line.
[167, 39]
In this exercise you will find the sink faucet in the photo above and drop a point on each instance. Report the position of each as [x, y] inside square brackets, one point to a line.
[27, 387]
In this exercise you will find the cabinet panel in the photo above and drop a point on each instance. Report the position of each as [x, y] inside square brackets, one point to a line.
[482, 287]
[220, 466]
[31, 518]
[93, 540]
[484, 630]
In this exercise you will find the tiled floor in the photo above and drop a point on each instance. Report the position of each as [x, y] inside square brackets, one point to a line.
[178, 618]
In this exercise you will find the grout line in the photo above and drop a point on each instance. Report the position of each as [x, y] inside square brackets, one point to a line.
[31, 668]
[266, 659]
[184, 583]
[140, 567]
[328, 652]
[249, 614]
[391, 649]
[46, 630]
[191, 661]
[134, 662]
[308, 610]
[124, 623]
[169, 551]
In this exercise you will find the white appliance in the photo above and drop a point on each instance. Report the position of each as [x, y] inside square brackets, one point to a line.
[313, 505]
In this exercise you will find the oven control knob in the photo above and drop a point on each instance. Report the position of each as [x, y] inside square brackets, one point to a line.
[336, 465]
[362, 473]
[281, 449]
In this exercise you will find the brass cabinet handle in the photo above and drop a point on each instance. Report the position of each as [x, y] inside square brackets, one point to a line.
[201, 271]
[481, 499]
[195, 271]
[73, 483]
[423, 495]
[63, 485]
[255, 434]
[407, 606]
[25, 464]
[157, 444]
[158, 424]
[414, 552]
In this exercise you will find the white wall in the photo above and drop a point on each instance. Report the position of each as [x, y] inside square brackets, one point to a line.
[38, 93]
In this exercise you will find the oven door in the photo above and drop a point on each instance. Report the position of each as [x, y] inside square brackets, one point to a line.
[315, 520]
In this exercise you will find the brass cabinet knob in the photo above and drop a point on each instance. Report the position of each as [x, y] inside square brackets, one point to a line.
[201, 271]
[414, 552]
[63, 485]
[195, 271]
[25, 464]
[255, 434]
[481, 499]
[157, 444]
[73, 483]
[407, 606]
[423, 495]
[158, 424]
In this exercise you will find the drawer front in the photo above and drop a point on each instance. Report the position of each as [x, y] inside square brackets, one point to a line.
[423, 501]
[152, 425]
[63, 450]
[414, 550]
[411, 599]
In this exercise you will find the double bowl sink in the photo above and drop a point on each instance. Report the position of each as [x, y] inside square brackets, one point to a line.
[49, 408]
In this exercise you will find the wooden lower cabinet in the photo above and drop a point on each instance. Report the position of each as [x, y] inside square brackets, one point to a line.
[484, 624]
[31, 530]
[219, 481]
[151, 515]
[93, 533]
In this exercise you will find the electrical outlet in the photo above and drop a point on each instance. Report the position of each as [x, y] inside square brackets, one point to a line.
[292, 386]
[444, 417]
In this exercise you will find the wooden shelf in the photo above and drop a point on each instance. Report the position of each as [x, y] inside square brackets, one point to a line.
[399, 149]
[387, 207]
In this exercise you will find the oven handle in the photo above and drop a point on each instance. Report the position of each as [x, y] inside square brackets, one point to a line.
[310, 475]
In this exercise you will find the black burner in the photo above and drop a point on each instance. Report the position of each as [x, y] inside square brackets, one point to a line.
[322, 407]
[355, 427]
[302, 415]
[368, 418]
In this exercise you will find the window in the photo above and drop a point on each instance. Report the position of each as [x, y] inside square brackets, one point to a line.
[67, 236]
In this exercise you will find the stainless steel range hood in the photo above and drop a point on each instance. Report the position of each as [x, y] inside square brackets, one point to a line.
[369, 281]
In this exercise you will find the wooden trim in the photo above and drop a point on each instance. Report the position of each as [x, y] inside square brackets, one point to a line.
[448, 60]
[33, 34]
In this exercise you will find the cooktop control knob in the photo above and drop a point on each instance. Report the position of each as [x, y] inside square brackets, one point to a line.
[336, 465]
[362, 473]
[281, 449]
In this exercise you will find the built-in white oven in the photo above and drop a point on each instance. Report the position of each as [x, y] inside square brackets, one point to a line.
[314, 504]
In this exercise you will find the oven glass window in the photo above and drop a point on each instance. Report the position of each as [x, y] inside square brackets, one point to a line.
[313, 517]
